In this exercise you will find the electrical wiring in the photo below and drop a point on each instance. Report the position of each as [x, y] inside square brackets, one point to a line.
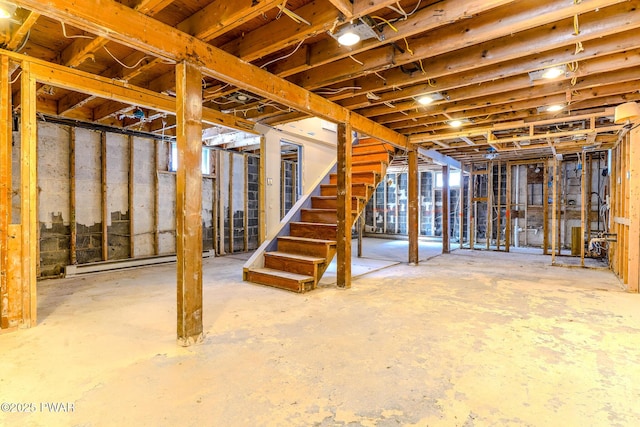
[408, 48]
[284, 56]
[386, 22]
[64, 33]
[330, 91]
[123, 64]
[355, 60]
[16, 79]
[24, 42]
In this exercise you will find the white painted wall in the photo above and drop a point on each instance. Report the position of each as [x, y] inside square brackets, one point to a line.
[53, 172]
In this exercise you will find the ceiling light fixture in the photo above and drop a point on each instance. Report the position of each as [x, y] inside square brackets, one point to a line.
[554, 108]
[548, 73]
[455, 123]
[7, 9]
[429, 98]
[355, 32]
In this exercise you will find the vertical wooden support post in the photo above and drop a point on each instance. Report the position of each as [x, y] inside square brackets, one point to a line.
[105, 210]
[245, 216]
[545, 209]
[262, 220]
[634, 212]
[5, 184]
[343, 269]
[561, 183]
[461, 209]
[221, 212]
[471, 230]
[214, 212]
[28, 195]
[445, 210]
[412, 181]
[156, 198]
[507, 234]
[73, 226]
[230, 213]
[554, 211]
[360, 233]
[583, 205]
[489, 228]
[132, 230]
[189, 202]
[499, 206]
[589, 194]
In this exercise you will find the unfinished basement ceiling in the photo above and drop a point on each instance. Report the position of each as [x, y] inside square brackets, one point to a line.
[483, 61]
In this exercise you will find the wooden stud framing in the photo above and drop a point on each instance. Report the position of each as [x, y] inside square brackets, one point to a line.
[105, 210]
[131, 196]
[489, 232]
[5, 185]
[412, 181]
[499, 206]
[28, 195]
[344, 206]
[245, 217]
[445, 209]
[156, 197]
[471, 233]
[230, 213]
[189, 203]
[589, 195]
[634, 211]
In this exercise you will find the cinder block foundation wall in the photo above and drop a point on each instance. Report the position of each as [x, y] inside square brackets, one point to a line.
[111, 196]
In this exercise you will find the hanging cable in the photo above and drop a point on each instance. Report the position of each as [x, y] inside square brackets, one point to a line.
[16, 79]
[355, 60]
[386, 22]
[407, 44]
[64, 33]
[284, 56]
[579, 48]
[576, 25]
[122, 63]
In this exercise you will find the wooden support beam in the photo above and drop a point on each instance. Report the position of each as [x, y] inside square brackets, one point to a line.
[73, 225]
[156, 197]
[545, 209]
[231, 207]
[104, 196]
[634, 212]
[445, 210]
[120, 23]
[554, 210]
[189, 203]
[28, 195]
[5, 185]
[344, 206]
[499, 207]
[131, 198]
[507, 242]
[470, 213]
[490, 203]
[413, 178]
[344, 6]
[583, 206]
[245, 192]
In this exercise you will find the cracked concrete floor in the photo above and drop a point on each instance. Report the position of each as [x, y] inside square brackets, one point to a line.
[465, 339]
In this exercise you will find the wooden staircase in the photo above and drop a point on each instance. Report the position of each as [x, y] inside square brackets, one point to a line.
[303, 255]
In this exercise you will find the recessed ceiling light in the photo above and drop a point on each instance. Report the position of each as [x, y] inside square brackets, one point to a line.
[552, 73]
[242, 97]
[455, 123]
[7, 9]
[348, 39]
[427, 99]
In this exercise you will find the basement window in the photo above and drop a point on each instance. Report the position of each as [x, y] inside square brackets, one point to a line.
[454, 179]
[206, 160]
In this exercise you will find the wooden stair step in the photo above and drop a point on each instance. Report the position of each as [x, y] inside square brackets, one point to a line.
[293, 263]
[305, 246]
[369, 157]
[369, 165]
[314, 230]
[331, 202]
[368, 177]
[323, 216]
[359, 190]
[372, 147]
[281, 279]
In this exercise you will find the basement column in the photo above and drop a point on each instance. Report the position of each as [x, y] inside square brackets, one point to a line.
[445, 209]
[345, 216]
[413, 207]
[188, 202]
[634, 211]
[5, 183]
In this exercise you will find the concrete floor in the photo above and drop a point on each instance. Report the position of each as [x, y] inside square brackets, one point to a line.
[465, 339]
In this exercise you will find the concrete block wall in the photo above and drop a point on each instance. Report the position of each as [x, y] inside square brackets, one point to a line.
[131, 218]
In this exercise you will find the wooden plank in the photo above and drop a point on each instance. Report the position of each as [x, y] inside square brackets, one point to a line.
[345, 221]
[499, 206]
[12, 310]
[445, 210]
[413, 178]
[230, 213]
[5, 184]
[507, 242]
[344, 6]
[120, 23]
[104, 196]
[489, 225]
[189, 203]
[73, 225]
[28, 195]
[471, 231]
